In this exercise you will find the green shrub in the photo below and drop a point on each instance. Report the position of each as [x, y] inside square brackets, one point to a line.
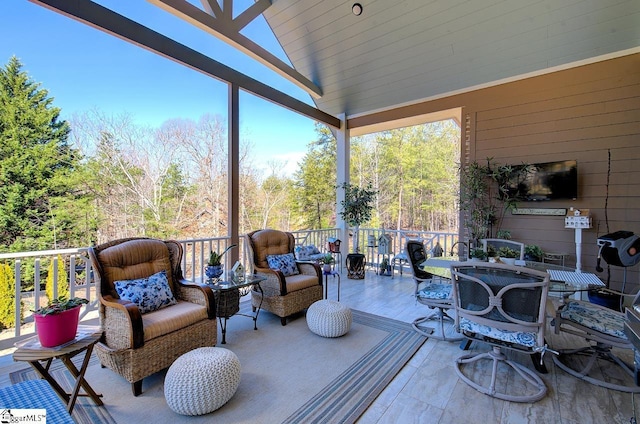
[63, 280]
[7, 297]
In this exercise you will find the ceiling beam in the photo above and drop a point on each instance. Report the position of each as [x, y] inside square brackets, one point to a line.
[252, 12]
[122, 27]
[225, 29]
[212, 7]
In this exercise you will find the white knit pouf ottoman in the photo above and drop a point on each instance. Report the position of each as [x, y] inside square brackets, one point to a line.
[202, 380]
[328, 318]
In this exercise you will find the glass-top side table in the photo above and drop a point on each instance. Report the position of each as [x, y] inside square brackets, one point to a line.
[228, 293]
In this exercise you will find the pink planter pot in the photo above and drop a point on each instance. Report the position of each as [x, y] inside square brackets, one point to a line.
[54, 330]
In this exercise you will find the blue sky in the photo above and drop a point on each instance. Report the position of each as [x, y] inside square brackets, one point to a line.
[84, 68]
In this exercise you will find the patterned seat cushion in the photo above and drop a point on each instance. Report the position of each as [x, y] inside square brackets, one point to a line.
[308, 253]
[439, 291]
[601, 319]
[523, 338]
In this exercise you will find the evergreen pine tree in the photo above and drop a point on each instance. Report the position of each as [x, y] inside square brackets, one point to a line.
[36, 167]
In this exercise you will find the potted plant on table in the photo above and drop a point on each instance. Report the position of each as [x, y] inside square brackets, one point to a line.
[533, 253]
[478, 254]
[214, 264]
[57, 323]
[508, 255]
[326, 260]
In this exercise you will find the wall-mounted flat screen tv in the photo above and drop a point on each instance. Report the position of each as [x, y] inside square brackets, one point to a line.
[551, 181]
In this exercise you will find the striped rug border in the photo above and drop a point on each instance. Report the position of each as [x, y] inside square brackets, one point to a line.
[350, 394]
[341, 401]
[85, 410]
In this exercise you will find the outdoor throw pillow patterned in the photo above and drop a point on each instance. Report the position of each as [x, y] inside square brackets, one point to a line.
[285, 263]
[150, 294]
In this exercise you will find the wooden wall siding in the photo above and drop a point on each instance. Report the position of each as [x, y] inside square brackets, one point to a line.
[580, 113]
[583, 114]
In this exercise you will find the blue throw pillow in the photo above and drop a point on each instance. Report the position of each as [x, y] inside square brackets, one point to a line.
[150, 294]
[285, 263]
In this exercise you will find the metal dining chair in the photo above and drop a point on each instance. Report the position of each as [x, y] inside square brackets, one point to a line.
[436, 294]
[503, 306]
[603, 329]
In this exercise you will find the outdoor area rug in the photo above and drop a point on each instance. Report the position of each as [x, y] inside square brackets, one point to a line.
[288, 374]
[85, 410]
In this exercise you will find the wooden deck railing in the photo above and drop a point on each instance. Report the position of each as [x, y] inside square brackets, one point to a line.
[31, 268]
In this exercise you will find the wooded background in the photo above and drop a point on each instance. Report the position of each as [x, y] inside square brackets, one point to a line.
[100, 177]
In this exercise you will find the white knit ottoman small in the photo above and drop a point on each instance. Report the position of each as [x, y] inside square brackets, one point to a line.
[328, 318]
[202, 380]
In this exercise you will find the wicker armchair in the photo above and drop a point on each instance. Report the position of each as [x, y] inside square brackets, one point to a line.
[282, 295]
[136, 344]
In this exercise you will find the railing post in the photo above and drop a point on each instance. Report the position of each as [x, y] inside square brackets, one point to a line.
[36, 284]
[18, 298]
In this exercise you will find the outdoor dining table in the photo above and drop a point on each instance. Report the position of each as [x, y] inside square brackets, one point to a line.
[563, 280]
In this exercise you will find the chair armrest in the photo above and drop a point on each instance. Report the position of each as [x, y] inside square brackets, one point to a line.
[274, 283]
[122, 322]
[197, 293]
[310, 268]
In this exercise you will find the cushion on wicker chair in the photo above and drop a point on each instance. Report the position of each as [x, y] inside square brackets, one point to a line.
[308, 253]
[150, 294]
[285, 263]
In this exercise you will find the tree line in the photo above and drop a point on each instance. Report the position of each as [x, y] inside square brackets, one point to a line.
[98, 177]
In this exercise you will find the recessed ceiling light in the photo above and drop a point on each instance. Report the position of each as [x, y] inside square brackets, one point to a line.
[356, 9]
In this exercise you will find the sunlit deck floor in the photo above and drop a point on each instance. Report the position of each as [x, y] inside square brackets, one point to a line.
[427, 390]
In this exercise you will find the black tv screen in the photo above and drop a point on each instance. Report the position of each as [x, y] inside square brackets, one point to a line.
[551, 181]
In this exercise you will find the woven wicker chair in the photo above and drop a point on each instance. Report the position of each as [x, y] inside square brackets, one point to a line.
[282, 296]
[136, 345]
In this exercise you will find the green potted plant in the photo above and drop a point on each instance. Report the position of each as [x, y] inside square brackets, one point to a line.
[486, 193]
[504, 234]
[533, 253]
[385, 267]
[508, 255]
[326, 260]
[356, 209]
[478, 254]
[214, 264]
[57, 322]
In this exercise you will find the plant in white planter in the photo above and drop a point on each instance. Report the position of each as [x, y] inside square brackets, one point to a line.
[326, 261]
[508, 255]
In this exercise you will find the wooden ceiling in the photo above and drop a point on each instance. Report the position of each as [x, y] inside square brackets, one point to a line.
[402, 52]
